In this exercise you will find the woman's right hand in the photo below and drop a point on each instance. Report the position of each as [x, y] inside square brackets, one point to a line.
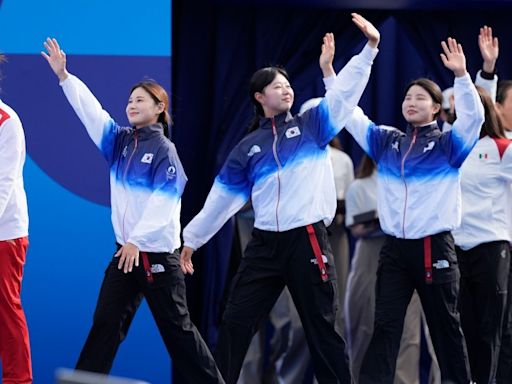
[489, 48]
[56, 58]
[186, 260]
[369, 30]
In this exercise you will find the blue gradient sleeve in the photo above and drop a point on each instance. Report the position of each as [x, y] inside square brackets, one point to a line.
[230, 191]
[101, 128]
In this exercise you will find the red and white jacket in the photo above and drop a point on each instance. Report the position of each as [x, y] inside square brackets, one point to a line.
[486, 177]
[13, 201]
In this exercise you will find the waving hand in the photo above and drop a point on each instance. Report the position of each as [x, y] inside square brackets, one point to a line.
[56, 58]
[371, 33]
[489, 48]
[453, 57]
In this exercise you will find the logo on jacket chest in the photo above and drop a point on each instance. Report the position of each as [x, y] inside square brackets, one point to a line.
[147, 158]
[254, 149]
[292, 132]
[125, 151]
[429, 146]
[171, 172]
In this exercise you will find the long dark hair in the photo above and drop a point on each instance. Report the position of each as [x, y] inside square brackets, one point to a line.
[159, 95]
[492, 125]
[503, 88]
[432, 89]
[259, 80]
[366, 167]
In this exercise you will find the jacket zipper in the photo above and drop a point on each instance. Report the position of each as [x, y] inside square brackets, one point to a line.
[279, 167]
[125, 174]
[403, 177]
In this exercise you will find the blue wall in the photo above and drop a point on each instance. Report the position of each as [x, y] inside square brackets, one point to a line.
[71, 238]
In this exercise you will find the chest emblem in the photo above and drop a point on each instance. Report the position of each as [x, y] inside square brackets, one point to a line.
[394, 146]
[429, 146]
[292, 132]
[147, 158]
[125, 151]
[171, 172]
[254, 149]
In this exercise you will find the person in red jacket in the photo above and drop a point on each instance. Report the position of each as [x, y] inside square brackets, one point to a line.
[14, 338]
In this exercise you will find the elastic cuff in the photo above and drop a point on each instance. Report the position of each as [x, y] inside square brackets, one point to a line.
[488, 75]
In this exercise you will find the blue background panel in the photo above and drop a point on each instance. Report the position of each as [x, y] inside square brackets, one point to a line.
[93, 27]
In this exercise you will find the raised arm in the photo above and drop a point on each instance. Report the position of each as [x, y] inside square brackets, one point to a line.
[369, 30]
[489, 49]
[100, 126]
[56, 58]
[327, 56]
[345, 89]
[453, 57]
[469, 108]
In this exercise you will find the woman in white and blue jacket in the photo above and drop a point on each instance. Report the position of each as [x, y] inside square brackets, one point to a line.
[146, 181]
[283, 166]
[419, 203]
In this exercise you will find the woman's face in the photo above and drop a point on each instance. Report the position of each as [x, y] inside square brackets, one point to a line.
[505, 110]
[277, 97]
[418, 106]
[142, 109]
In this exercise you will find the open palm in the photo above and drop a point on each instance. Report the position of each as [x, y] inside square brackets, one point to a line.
[453, 57]
[56, 58]
[371, 33]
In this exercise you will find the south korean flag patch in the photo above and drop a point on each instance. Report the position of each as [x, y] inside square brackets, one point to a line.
[292, 132]
[147, 158]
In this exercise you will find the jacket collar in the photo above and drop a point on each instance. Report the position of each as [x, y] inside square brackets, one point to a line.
[423, 130]
[266, 122]
[149, 131]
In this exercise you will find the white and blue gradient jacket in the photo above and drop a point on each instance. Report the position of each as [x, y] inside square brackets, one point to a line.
[283, 165]
[146, 175]
[418, 171]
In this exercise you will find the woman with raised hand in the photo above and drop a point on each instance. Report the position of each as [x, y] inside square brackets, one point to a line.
[146, 182]
[482, 243]
[283, 166]
[419, 203]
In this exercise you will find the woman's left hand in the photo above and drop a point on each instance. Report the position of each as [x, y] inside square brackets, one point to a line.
[453, 57]
[128, 256]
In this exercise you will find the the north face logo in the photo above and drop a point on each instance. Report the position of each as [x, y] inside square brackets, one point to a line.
[254, 149]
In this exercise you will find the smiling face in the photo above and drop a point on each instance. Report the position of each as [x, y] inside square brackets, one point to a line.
[142, 109]
[277, 97]
[418, 106]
